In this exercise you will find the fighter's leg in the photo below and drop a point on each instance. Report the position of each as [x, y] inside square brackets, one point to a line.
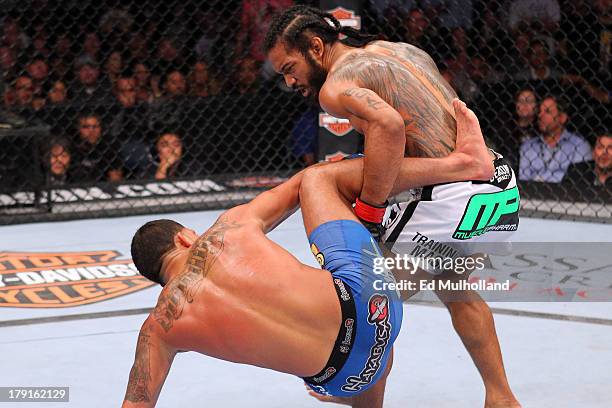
[373, 397]
[473, 321]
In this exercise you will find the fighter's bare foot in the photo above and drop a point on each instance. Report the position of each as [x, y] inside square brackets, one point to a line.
[324, 398]
[470, 147]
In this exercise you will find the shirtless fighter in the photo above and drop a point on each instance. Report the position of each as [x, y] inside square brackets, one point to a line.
[329, 326]
[394, 94]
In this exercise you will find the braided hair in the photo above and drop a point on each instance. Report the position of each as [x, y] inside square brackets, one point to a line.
[292, 25]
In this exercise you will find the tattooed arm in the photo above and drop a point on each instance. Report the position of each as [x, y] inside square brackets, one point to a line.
[383, 127]
[151, 365]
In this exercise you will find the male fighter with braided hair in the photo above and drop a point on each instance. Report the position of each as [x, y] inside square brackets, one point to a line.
[234, 294]
[394, 94]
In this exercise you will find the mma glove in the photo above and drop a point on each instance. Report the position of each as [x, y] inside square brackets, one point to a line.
[371, 216]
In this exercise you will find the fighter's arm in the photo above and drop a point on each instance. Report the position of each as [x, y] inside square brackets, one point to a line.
[273, 206]
[384, 131]
[151, 365]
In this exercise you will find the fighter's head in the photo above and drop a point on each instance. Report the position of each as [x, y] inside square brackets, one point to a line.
[298, 40]
[153, 244]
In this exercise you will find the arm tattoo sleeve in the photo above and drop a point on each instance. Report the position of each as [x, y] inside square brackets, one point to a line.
[140, 375]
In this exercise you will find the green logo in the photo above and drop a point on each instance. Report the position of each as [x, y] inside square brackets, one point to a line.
[489, 212]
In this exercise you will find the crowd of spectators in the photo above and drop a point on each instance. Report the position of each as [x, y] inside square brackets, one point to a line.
[112, 79]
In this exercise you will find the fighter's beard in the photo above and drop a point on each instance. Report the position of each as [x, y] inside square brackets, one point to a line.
[316, 79]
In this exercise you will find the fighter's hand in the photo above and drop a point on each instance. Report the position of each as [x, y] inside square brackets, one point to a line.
[371, 216]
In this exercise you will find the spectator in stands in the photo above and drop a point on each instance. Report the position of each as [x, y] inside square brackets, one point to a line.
[23, 103]
[201, 83]
[13, 36]
[451, 14]
[113, 67]
[138, 46]
[126, 92]
[169, 155]
[56, 112]
[39, 43]
[174, 84]
[516, 58]
[38, 70]
[8, 71]
[168, 55]
[546, 13]
[247, 76]
[510, 132]
[304, 137]
[146, 86]
[61, 58]
[95, 158]
[596, 172]
[58, 93]
[57, 159]
[88, 87]
[547, 156]
[254, 23]
[91, 47]
[601, 95]
[604, 29]
[540, 66]
[129, 127]
[419, 32]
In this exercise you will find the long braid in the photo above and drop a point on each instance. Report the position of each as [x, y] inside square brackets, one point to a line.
[291, 25]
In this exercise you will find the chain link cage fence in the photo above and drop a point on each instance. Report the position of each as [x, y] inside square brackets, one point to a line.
[124, 107]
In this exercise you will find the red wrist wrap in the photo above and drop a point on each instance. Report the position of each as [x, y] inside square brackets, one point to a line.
[369, 212]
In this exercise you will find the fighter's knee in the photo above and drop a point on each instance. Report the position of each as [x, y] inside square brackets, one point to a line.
[314, 177]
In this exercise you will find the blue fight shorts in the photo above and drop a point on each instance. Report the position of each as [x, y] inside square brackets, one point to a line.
[371, 318]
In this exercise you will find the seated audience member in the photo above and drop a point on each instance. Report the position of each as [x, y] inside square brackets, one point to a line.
[174, 85]
[247, 76]
[304, 137]
[89, 88]
[540, 66]
[56, 110]
[56, 162]
[125, 90]
[22, 100]
[510, 132]
[547, 156]
[57, 94]
[113, 67]
[95, 158]
[201, 82]
[597, 171]
[129, 127]
[38, 71]
[169, 158]
[146, 88]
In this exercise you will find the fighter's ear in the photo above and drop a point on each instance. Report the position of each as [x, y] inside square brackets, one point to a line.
[317, 46]
[185, 238]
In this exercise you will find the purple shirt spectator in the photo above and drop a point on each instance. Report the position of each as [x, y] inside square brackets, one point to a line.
[540, 162]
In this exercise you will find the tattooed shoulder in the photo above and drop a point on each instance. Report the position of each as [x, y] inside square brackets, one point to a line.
[182, 289]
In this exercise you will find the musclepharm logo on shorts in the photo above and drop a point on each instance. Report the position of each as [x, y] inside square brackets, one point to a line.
[489, 212]
[378, 315]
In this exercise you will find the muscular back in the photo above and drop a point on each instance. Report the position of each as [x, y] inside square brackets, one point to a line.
[407, 79]
[245, 299]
